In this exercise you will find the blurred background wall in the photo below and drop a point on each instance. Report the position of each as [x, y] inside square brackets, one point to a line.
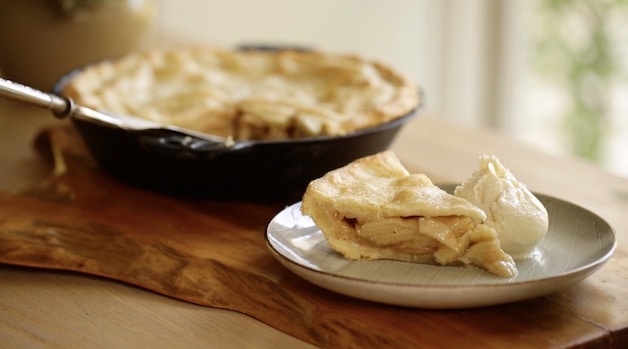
[549, 72]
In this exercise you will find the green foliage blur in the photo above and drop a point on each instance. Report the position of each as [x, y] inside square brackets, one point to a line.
[575, 50]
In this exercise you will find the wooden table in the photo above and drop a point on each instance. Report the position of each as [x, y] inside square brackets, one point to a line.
[56, 309]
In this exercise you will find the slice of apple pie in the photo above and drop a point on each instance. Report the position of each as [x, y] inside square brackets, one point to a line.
[373, 208]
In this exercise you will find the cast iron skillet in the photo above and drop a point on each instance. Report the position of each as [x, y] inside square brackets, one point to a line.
[173, 163]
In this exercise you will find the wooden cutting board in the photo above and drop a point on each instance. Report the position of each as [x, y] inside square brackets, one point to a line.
[214, 254]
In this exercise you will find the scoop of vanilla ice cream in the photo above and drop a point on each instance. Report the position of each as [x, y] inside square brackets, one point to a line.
[518, 217]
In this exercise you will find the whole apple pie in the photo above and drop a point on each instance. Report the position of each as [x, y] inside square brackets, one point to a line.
[248, 94]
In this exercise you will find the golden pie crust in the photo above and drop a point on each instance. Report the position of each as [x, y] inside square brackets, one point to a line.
[248, 94]
[373, 208]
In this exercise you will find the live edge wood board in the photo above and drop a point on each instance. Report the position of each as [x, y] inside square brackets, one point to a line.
[214, 254]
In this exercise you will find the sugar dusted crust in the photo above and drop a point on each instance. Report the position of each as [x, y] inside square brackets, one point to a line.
[248, 94]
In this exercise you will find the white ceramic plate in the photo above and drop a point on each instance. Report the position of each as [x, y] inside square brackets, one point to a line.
[577, 244]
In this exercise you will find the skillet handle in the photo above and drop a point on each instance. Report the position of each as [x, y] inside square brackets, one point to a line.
[271, 47]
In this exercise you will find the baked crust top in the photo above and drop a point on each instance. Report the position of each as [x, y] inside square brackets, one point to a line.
[248, 94]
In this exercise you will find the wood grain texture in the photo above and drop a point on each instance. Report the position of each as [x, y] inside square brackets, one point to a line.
[214, 254]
